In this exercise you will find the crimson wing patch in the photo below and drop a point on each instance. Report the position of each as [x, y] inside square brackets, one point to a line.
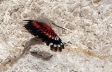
[44, 32]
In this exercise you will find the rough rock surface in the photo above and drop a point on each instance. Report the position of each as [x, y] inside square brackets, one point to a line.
[88, 38]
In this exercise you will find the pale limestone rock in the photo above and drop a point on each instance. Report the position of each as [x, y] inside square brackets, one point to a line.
[88, 38]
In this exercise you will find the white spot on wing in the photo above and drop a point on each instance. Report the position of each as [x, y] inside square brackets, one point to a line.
[57, 38]
[51, 44]
[59, 45]
[55, 45]
[52, 37]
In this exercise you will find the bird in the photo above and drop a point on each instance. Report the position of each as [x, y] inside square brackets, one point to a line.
[42, 28]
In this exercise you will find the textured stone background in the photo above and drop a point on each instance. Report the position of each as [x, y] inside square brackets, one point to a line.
[88, 36]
